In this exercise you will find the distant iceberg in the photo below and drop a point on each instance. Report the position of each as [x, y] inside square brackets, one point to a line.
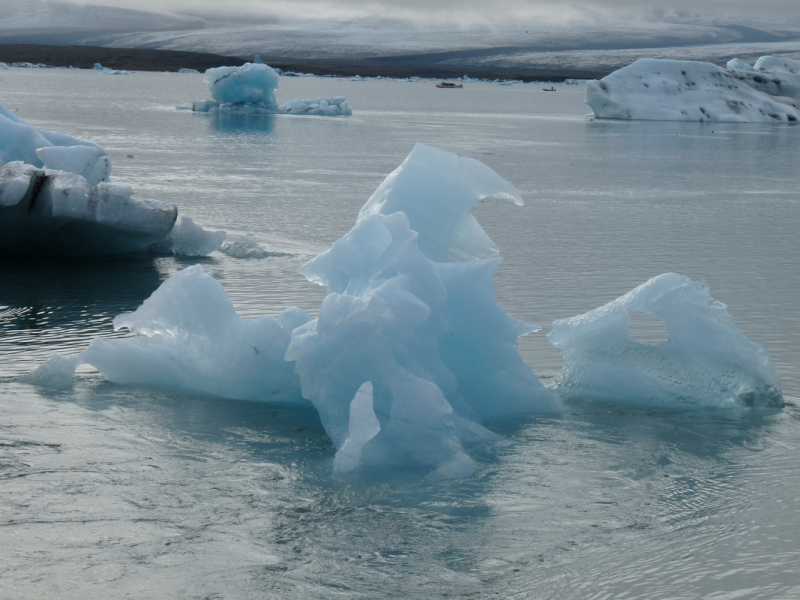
[250, 89]
[409, 352]
[706, 361]
[671, 90]
[56, 199]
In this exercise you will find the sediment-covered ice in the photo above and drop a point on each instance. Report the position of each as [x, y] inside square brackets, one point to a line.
[671, 90]
[44, 213]
[409, 352]
[250, 89]
[706, 361]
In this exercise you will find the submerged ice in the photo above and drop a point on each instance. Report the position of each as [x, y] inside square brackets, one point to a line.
[250, 89]
[706, 361]
[672, 90]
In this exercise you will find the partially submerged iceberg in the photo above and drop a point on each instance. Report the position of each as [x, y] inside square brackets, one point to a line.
[706, 361]
[409, 352]
[56, 199]
[672, 90]
[44, 213]
[250, 89]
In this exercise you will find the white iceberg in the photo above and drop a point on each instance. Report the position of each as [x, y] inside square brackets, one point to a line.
[326, 107]
[738, 65]
[706, 361]
[428, 334]
[671, 90]
[250, 89]
[185, 70]
[410, 349]
[90, 163]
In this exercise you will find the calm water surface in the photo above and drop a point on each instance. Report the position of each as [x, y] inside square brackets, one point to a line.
[116, 492]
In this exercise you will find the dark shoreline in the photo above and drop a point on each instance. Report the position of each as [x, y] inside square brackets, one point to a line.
[145, 59]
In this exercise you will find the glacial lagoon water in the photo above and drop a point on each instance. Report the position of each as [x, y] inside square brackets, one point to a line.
[118, 492]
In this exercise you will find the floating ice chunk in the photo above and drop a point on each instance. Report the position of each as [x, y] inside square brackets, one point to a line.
[56, 372]
[706, 361]
[250, 89]
[328, 107]
[671, 90]
[86, 161]
[45, 213]
[250, 83]
[364, 426]
[739, 65]
[189, 239]
[19, 140]
[188, 336]
[257, 60]
[437, 190]
[188, 71]
[245, 247]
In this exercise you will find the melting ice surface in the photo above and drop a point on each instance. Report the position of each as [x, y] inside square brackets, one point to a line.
[706, 361]
[410, 349]
[250, 89]
[671, 90]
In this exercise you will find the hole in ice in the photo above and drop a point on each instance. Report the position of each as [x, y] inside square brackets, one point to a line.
[647, 327]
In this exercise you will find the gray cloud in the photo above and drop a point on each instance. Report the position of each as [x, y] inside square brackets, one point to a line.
[478, 12]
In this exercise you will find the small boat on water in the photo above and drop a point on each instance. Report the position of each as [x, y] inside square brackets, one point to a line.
[550, 89]
[450, 85]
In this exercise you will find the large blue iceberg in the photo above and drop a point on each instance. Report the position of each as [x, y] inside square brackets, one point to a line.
[250, 89]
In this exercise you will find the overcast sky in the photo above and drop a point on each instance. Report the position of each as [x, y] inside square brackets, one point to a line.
[471, 12]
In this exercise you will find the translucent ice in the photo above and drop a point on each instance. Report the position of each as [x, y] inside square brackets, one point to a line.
[671, 90]
[189, 239]
[428, 335]
[251, 83]
[246, 246]
[250, 89]
[188, 336]
[706, 361]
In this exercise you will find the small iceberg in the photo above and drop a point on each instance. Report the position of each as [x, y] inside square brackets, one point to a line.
[707, 360]
[250, 89]
[672, 90]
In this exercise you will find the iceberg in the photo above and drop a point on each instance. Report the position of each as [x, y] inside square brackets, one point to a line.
[409, 353]
[707, 360]
[250, 89]
[45, 213]
[326, 107]
[56, 199]
[671, 90]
